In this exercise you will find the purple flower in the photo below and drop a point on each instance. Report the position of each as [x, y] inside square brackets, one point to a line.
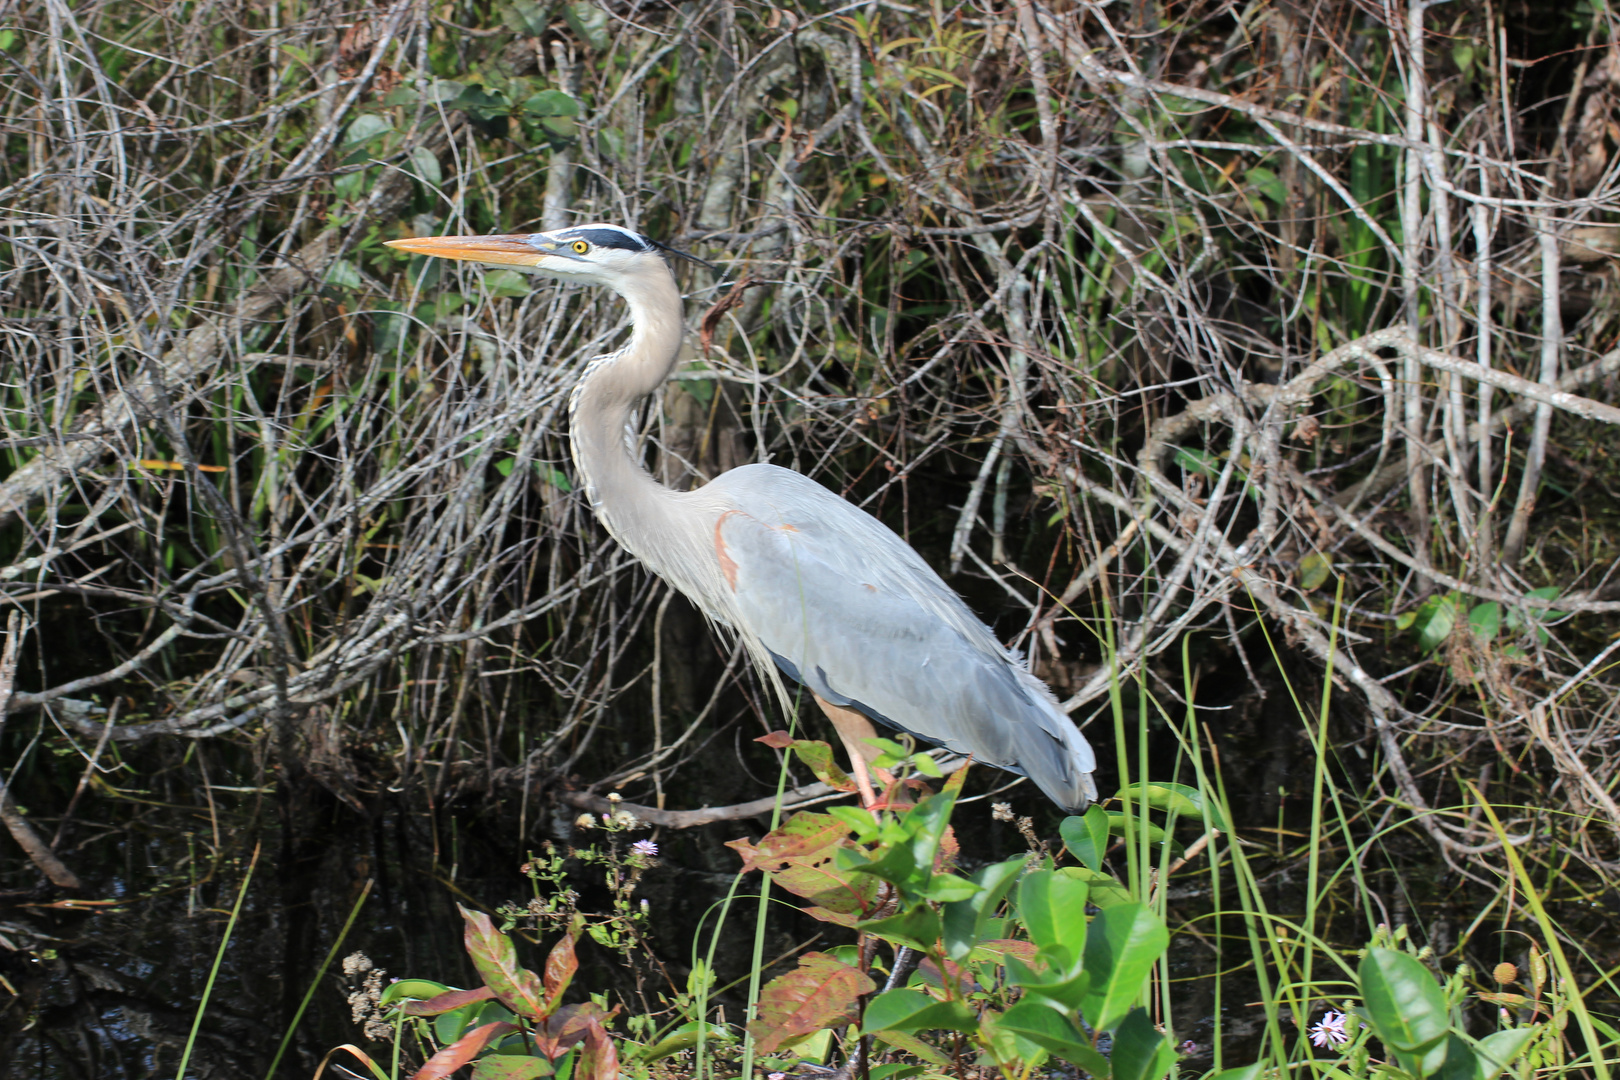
[644, 848]
[1329, 1031]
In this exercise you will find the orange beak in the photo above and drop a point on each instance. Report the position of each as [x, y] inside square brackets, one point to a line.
[523, 249]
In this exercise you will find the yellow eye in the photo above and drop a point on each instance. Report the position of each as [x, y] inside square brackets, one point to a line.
[580, 247]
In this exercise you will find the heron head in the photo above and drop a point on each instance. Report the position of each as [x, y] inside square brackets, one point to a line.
[599, 254]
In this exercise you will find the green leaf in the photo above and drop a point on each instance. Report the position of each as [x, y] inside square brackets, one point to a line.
[525, 17]
[1183, 799]
[1063, 984]
[965, 921]
[946, 888]
[426, 163]
[551, 103]
[1141, 1052]
[1267, 183]
[1049, 1028]
[918, 928]
[366, 126]
[1434, 620]
[342, 274]
[1405, 1004]
[1314, 570]
[1498, 1051]
[1052, 907]
[1122, 945]
[1485, 620]
[1242, 1072]
[1197, 461]
[911, 1011]
[506, 283]
[1105, 891]
[589, 22]
[1458, 1061]
[682, 1038]
[1086, 836]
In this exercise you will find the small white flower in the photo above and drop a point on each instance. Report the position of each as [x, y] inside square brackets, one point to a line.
[1329, 1031]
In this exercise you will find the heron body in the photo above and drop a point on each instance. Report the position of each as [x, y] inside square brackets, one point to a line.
[810, 582]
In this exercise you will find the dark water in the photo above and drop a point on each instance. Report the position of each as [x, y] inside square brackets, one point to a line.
[111, 989]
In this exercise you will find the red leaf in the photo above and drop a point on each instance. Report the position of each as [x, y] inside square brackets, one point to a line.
[565, 1028]
[510, 1067]
[800, 857]
[461, 1051]
[492, 954]
[820, 993]
[598, 1060]
[445, 1002]
[817, 756]
[560, 967]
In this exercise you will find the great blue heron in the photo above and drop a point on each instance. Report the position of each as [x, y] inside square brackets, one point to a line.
[808, 581]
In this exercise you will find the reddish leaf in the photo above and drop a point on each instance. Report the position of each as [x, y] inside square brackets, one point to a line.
[820, 993]
[816, 755]
[565, 1028]
[461, 1051]
[800, 857]
[996, 948]
[492, 954]
[598, 1060]
[560, 967]
[446, 1002]
[510, 1067]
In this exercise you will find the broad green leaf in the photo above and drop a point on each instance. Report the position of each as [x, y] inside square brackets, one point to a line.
[918, 928]
[817, 756]
[965, 921]
[1105, 892]
[1485, 620]
[1086, 836]
[910, 1011]
[1244, 1072]
[1314, 570]
[946, 888]
[551, 103]
[525, 17]
[342, 274]
[682, 1038]
[412, 988]
[1061, 983]
[1268, 184]
[426, 164]
[589, 22]
[1434, 619]
[1122, 945]
[1049, 1028]
[366, 126]
[1405, 1004]
[1052, 907]
[1183, 799]
[1457, 1059]
[1197, 461]
[1141, 1052]
[1498, 1051]
[506, 283]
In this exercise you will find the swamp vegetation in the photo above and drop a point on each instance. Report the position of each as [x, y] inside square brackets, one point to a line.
[1250, 366]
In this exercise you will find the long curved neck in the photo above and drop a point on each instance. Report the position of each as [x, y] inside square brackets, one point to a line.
[633, 506]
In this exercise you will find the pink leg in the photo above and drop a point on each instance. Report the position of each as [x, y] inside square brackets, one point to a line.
[854, 729]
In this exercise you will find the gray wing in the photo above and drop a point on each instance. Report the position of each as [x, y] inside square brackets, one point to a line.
[850, 610]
